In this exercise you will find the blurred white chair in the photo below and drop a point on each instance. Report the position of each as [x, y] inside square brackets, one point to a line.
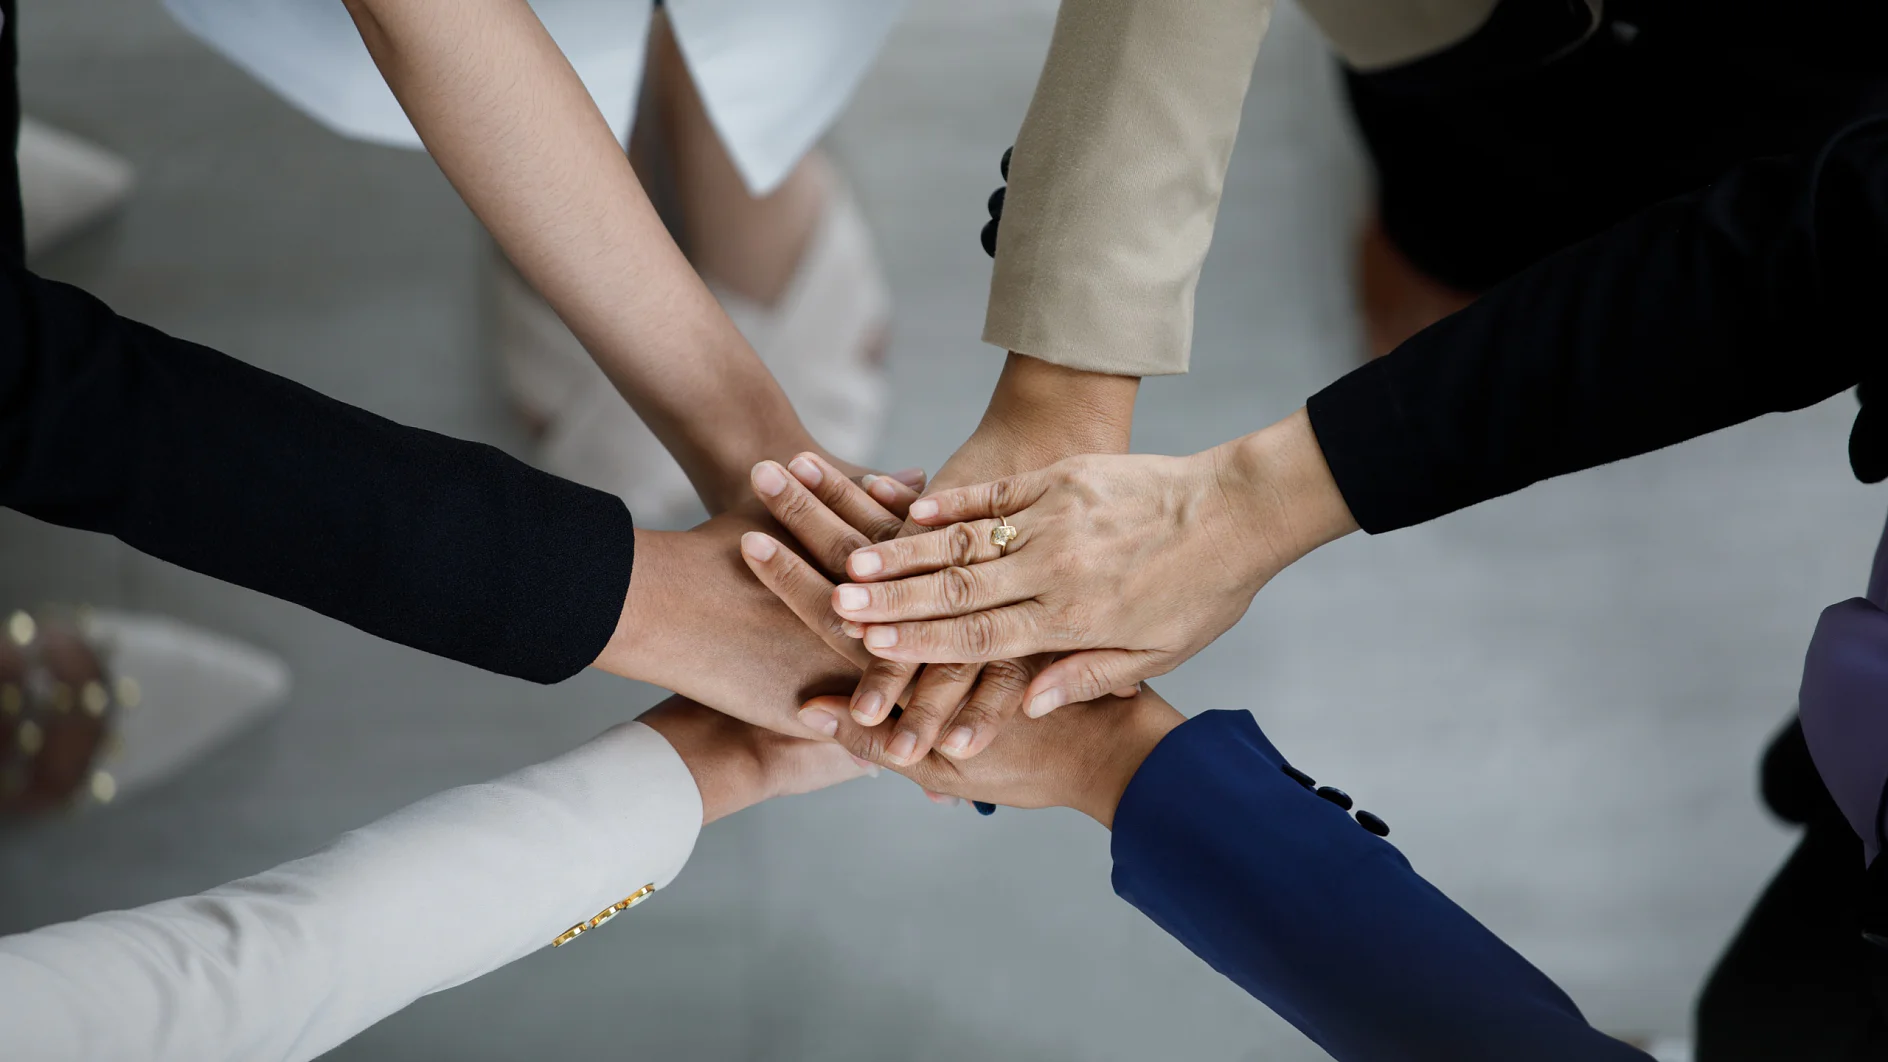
[66, 184]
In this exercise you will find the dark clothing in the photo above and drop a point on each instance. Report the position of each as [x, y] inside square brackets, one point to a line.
[1757, 294]
[1760, 293]
[1541, 129]
[189, 455]
[1322, 921]
[1794, 982]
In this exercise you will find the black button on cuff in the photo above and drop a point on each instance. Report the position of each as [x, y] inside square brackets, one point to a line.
[1335, 796]
[1299, 776]
[1373, 824]
[989, 239]
[996, 201]
[1004, 167]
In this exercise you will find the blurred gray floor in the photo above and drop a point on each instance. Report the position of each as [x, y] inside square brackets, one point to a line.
[1556, 700]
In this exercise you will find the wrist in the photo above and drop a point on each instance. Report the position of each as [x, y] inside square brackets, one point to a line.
[650, 606]
[1146, 721]
[1054, 411]
[719, 753]
[1275, 482]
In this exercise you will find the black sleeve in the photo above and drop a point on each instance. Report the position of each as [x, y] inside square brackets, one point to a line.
[1762, 292]
[191, 456]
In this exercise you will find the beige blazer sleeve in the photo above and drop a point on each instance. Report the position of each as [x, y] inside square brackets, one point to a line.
[1116, 176]
[291, 962]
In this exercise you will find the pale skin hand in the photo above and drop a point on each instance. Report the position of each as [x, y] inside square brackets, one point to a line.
[1039, 413]
[1132, 564]
[514, 130]
[737, 765]
[1082, 757]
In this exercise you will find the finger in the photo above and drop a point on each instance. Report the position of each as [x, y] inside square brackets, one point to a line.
[911, 477]
[846, 499]
[883, 683]
[941, 690]
[997, 634]
[954, 591]
[1130, 691]
[894, 494]
[959, 545]
[1086, 676]
[996, 700]
[828, 538]
[998, 498]
[803, 590]
[828, 716]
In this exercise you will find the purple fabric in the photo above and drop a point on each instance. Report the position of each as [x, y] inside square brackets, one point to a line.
[1844, 704]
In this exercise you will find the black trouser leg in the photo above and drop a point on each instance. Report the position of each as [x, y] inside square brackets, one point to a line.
[1794, 983]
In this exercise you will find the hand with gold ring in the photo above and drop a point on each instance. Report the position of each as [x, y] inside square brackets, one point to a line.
[1129, 563]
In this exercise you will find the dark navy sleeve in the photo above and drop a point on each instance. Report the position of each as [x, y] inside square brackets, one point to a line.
[194, 457]
[1322, 921]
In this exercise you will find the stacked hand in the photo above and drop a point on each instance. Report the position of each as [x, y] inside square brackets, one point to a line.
[1132, 564]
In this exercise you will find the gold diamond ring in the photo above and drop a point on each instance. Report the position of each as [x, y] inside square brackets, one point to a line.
[1002, 534]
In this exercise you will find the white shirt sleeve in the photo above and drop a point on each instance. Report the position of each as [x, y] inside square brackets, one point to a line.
[291, 962]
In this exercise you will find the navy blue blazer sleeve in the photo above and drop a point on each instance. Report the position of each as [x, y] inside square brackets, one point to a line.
[189, 455]
[1322, 921]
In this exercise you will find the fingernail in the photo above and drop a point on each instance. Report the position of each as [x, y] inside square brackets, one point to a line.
[910, 477]
[871, 769]
[819, 720]
[866, 711]
[866, 562]
[945, 801]
[958, 740]
[881, 637]
[903, 746]
[924, 509]
[1045, 702]
[853, 598]
[758, 546]
[768, 480]
[882, 489]
[806, 471]
[852, 629]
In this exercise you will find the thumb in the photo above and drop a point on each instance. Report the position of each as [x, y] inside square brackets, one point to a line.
[1002, 497]
[1088, 675]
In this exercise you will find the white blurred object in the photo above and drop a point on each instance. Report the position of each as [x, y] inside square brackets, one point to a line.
[1670, 1049]
[65, 183]
[819, 341]
[193, 691]
[773, 74]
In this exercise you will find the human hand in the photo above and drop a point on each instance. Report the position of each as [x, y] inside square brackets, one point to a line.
[1130, 563]
[1082, 757]
[831, 517]
[695, 621]
[737, 765]
[1039, 413]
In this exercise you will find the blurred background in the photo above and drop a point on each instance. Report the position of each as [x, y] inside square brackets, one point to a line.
[1556, 700]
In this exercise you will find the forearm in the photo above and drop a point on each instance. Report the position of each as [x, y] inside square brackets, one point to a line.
[1754, 295]
[291, 962]
[513, 128]
[1321, 921]
[1115, 180]
[191, 456]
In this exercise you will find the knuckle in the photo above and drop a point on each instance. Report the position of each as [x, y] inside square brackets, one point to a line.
[956, 588]
[1003, 496]
[977, 635]
[1004, 678]
[960, 544]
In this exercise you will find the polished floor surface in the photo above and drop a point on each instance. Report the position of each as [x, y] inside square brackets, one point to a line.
[1556, 700]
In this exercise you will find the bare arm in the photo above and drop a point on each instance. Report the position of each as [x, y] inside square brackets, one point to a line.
[514, 130]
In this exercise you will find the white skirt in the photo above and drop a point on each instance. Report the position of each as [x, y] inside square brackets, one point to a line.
[773, 74]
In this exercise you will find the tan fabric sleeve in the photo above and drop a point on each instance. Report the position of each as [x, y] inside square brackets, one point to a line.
[1115, 181]
[1117, 173]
